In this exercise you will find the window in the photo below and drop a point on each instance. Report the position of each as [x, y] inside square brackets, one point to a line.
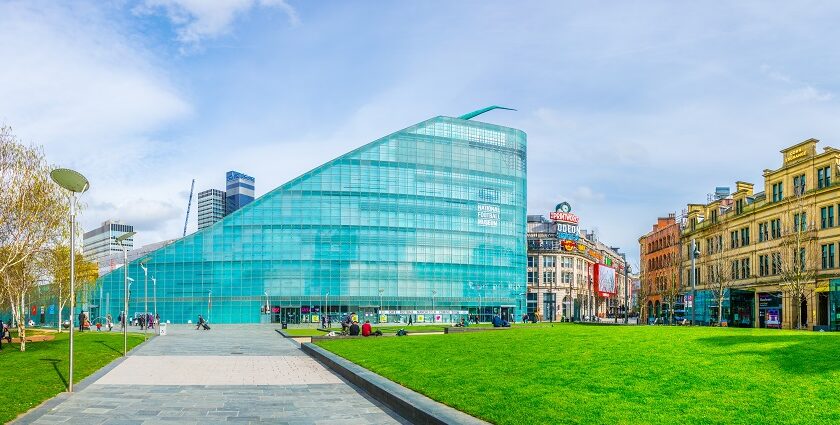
[734, 272]
[763, 263]
[739, 206]
[823, 177]
[549, 276]
[775, 228]
[776, 264]
[566, 262]
[827, 217]
[778, 191]
[532, 261]
[761, 229]
[799, 185]
[733, 239]
[532, 277]
[714, 215]
[549, 261]
[745, 236]
[567, 277]
[800, 222]
[745, 268]
[828, 256]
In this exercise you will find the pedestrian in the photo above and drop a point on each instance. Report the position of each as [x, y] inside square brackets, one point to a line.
[81, 321]
[201, 323]
[329, 322]
[157, 318]
[409, 320]
[108, 322]
[323, 322]
[366, 328]
[98, 326]
[2, 333]
[150, 321]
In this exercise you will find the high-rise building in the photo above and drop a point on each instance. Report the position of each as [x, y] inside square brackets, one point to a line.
[239, 191]
[101, 242]
[211, 207]
[427, 223]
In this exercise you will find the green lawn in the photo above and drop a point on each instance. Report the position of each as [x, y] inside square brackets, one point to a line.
[40, 372]
[617, 374]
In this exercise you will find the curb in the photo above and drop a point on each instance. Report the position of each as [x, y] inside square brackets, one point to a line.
[44, 408]
[412, 406]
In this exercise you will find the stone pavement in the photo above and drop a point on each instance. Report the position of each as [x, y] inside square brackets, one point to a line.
[242, 373]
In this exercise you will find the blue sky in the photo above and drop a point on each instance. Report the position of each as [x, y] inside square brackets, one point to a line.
[632, 109]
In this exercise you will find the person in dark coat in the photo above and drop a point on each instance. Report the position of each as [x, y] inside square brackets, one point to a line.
[200, 322]
[354, 329]
[81, 321]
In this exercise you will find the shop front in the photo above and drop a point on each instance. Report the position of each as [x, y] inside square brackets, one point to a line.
[770, 310]
[834, 304]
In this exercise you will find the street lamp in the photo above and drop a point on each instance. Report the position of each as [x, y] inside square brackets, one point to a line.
[145, 294]
[154, 294]
[75, 183]
[434, 293]
[380, 304]
[694, 254]
[120, 239]
[327, 306]
[209, 306]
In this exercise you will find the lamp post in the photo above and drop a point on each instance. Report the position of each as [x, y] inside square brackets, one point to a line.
[380, 305]
[75, 183]
[327, 302]
[434, 293]
[694, 254]
[120, 241]
[145, 295]
[154, 294]
[209, 306]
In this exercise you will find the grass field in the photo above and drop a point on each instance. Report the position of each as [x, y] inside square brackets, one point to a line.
[28, 378]
[617, 374]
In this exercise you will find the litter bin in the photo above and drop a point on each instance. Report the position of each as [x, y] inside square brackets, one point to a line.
[284, 325]
[162, 329]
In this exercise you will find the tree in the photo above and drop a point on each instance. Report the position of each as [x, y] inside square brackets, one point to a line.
[59, 269]
[673, 284]
[33, 216]
[796, 260]
[719, 273]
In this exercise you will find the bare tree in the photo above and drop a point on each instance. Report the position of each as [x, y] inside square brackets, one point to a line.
[720, 274]
[673, 285]
[796, 260]
[33, 215]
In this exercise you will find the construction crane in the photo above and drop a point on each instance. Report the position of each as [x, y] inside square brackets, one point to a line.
[189, 203]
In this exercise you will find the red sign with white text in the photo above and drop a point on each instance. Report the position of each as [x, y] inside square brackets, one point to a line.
[563, 217]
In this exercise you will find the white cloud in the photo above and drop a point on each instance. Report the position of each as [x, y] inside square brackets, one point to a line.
[81, 86]
[198, 20]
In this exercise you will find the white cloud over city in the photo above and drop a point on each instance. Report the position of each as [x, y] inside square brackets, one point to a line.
[632, 110]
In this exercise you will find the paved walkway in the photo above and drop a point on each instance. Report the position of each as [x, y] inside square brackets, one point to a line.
[228, 374]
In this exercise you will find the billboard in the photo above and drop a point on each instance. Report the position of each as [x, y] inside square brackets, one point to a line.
[604, 280]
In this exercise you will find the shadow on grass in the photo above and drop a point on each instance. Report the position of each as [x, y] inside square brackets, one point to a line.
[801, 354]
[108, 346]
[58, 372]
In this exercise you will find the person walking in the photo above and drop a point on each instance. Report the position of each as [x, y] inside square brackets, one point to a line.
[201, 323]
[108, 322]
[409, 320]
[81, 321]
[323, 322]
[329, 322]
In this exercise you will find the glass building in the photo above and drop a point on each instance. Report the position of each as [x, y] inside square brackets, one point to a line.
[427, 222]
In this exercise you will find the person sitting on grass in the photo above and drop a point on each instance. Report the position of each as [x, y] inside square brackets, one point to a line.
[366, 328]
[354, 329]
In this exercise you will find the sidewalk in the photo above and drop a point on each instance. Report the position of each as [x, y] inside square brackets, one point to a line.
[234, 373]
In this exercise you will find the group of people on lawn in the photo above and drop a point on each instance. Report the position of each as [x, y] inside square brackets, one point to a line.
[350, 325]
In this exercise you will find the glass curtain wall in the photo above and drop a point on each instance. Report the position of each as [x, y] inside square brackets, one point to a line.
[427, 223]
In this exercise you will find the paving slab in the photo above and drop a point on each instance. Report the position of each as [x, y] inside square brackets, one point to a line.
[229, 374]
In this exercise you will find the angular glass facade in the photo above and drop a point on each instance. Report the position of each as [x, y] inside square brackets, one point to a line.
[428, 222]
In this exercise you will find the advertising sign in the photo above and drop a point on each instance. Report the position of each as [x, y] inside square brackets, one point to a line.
[420, 318]
[604, 280]
[689, 301]
[488, 215]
